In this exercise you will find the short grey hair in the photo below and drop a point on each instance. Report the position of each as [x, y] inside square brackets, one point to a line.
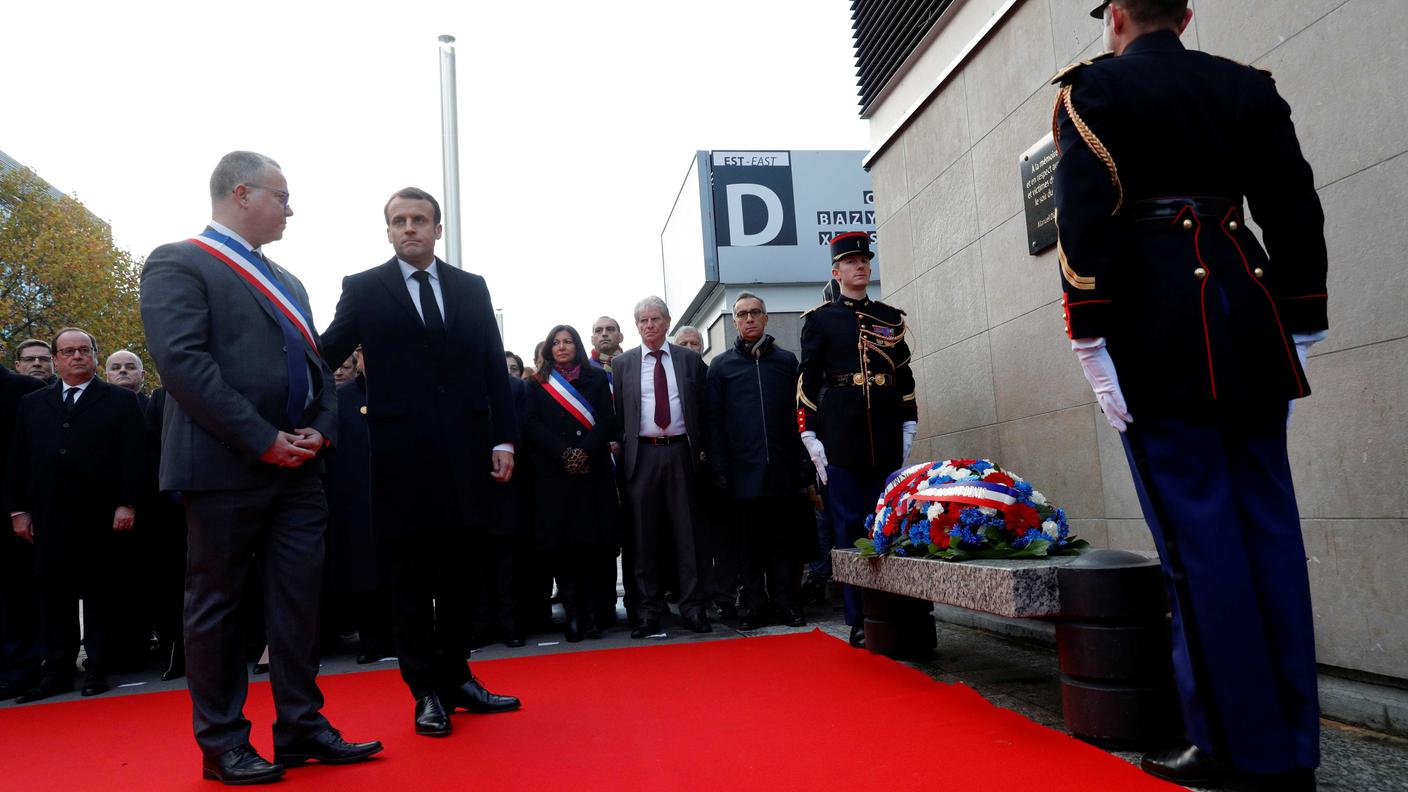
[689, 329]
[134, 355]
[651, 302]
[750, 296]
[235, 168]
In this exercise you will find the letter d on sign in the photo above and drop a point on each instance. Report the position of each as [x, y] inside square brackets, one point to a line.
[736, 233]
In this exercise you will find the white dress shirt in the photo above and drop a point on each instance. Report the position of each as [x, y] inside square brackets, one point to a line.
[413, 286]
[648, 427]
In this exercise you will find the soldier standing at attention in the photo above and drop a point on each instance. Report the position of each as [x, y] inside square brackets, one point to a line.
[1194, 341]
[855, 398]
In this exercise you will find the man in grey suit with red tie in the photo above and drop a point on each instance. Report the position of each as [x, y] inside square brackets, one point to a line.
[240, 440]
[441, 425]
[659, 404]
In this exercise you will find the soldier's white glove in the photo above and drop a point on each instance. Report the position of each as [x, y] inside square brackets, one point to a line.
[1304, 341]
[1100, 373]
[909, 429]
[816, 452]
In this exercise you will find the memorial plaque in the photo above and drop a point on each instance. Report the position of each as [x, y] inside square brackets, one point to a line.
[1038, 170]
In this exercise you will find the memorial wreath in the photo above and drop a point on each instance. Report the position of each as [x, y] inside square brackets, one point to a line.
[956, 509]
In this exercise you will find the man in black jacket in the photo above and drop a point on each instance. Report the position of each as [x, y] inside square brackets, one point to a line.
[440, 423]
[19, 662]
[75, 473]
[1193, 339]
[757, 459]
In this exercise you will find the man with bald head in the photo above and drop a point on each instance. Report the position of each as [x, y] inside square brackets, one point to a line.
[124, 369]
[240, 440]
[606, 342]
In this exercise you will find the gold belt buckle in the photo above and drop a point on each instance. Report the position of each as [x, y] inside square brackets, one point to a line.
[879, 379]
[857, 378]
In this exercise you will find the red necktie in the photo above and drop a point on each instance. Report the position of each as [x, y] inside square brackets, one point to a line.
[662, 391]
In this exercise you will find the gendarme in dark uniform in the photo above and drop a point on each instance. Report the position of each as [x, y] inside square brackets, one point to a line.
[1193, 337]
[856, 394]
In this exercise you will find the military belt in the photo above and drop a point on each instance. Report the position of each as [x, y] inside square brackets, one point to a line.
[1170, 208]
[857, 378]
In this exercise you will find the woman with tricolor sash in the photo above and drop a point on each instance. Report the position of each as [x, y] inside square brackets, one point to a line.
[570, 425]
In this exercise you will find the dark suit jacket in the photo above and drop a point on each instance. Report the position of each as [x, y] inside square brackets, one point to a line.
[573, 510]
[352, 555]
[220, 350]
[690, 374]
[434, 412]
[70, 471]
[12, 388]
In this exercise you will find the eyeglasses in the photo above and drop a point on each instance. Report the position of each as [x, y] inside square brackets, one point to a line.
[34, 358]
[281, 196]
[751, 313]
[78, 351]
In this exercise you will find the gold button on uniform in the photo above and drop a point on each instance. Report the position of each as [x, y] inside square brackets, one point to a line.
[1232, 225]
[1188, 223]
[1200, 273]
[363, 409]
[1258, 272]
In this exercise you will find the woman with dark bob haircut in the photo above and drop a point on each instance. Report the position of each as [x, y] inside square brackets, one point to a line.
[570, 424]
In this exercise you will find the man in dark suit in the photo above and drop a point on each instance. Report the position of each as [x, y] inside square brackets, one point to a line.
[250, 406]
[73, 480]
[659, 406]
[1193, 338]
[35, 358]
[441, 425]
[19, 609]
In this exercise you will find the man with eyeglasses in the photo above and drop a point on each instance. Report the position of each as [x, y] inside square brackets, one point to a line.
[75, 472]
[758, 462]
[240, 440]
[35, 358]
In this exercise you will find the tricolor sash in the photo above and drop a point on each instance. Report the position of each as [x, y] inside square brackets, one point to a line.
[569, 398]
[246, 265]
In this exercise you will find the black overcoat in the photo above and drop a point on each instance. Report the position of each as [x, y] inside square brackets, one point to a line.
[573, 510]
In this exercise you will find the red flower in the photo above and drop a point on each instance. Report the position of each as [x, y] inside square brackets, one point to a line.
[938, 536]
[891, 523]
[962, 463]
[1020, 518]
[998, 477]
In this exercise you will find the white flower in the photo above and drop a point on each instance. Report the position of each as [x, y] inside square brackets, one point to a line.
[1038, 498]
[988, 510]
[934, 511]
[1051, 529]
[960, 474]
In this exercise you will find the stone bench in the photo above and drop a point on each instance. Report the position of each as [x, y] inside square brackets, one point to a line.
[1111, 631]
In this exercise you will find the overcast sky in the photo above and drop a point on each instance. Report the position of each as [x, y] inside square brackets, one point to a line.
[577, 123]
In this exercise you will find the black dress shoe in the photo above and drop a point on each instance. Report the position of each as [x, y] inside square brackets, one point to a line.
[590, 628]
[473, 697]
[749, 621]
[514, 641]
[261, 668]
[795, 618]
[1188, 765]
[239, 766]
[94, 684]
[327, 747]
[9, 690]
[646, 628]
[728, 610]
[858, 636]
[46, 688]
[572, 629]
[431, 718]
[697, 623]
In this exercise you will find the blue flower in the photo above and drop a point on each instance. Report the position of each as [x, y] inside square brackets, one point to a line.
[1025, 490]
[980, 466]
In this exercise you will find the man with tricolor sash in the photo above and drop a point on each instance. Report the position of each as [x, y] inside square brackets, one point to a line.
[240, 442]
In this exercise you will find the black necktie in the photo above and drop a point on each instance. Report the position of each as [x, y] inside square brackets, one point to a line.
[429, 308]
[70, 395]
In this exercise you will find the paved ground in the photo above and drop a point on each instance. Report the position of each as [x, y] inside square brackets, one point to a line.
[1013, 673]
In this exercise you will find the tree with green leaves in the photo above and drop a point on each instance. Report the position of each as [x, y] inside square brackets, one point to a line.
[59, 268]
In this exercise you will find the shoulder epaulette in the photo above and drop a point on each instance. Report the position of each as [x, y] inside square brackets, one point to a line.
[809, 310]
[1061, 76]
[1265, 71]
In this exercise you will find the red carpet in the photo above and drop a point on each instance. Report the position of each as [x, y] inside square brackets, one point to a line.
[802, 712]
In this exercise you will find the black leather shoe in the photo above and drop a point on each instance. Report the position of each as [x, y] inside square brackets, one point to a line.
[749, 621]
[646, 628]
[858, 636]
[728, 610]
[47, 688]
[572, 629]
[19, 687]
[590, 628]
[697, 623]
[94, 683]
[1187, 765]
[794, 618]
[431, 718]
[473, 697]
[514, 641]
[239, 766]
[261, 668]
[327, 747]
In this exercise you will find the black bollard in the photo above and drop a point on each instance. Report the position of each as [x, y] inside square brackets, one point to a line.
[896, 625]
[1114, 641]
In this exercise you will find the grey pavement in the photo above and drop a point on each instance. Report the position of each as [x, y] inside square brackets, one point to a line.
[1017, 673]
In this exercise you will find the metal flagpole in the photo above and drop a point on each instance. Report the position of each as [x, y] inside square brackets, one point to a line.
[450, 145]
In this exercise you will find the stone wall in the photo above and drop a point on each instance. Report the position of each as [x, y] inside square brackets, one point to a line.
[996, 375]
